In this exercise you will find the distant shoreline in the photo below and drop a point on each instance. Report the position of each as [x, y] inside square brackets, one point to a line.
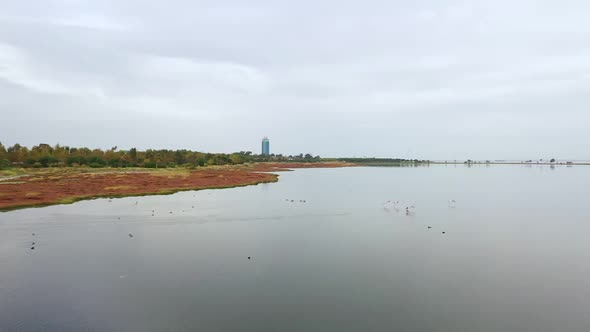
[511, 163]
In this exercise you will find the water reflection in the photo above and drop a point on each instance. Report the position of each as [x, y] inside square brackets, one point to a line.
[483, 249]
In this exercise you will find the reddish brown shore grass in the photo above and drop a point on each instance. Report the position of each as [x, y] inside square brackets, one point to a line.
[68, 185]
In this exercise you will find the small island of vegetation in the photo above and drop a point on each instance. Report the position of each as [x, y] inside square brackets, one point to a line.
[45, 175]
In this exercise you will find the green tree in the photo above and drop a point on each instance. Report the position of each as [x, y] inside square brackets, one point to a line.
[179, 157]
[236, 159]
[17, 153]
[133, 154]
[3, 154]
[4, 162]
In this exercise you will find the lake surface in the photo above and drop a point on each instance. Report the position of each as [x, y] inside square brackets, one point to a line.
[515, 256]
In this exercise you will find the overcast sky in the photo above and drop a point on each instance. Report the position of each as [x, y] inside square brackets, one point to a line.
[416, 79]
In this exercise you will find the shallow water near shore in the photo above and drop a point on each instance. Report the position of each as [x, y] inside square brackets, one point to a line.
[326, 255]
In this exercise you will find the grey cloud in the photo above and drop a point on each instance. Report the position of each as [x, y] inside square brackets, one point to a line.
[425, 79]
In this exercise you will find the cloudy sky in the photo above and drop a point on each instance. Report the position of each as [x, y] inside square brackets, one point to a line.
[421, 79]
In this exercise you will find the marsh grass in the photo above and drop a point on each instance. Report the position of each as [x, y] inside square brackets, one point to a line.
[119, 188]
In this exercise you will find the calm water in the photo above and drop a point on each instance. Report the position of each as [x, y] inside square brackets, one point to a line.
[515, 256]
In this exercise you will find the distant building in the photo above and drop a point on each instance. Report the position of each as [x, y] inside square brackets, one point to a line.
[265, 146]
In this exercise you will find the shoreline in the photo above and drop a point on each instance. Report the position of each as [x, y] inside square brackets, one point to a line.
[46, 187]
[35, 188]
[510, 163]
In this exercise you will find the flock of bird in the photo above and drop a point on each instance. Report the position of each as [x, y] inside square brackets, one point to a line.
[409, 210]
[171, 212]
[153, 213]
[118, 218]
[293, 201]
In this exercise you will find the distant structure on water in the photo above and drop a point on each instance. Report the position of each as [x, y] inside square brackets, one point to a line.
[265, 146]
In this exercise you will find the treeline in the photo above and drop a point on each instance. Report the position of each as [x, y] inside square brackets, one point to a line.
[44, 155]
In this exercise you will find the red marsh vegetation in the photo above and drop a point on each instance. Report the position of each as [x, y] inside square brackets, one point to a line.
[67, 185]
